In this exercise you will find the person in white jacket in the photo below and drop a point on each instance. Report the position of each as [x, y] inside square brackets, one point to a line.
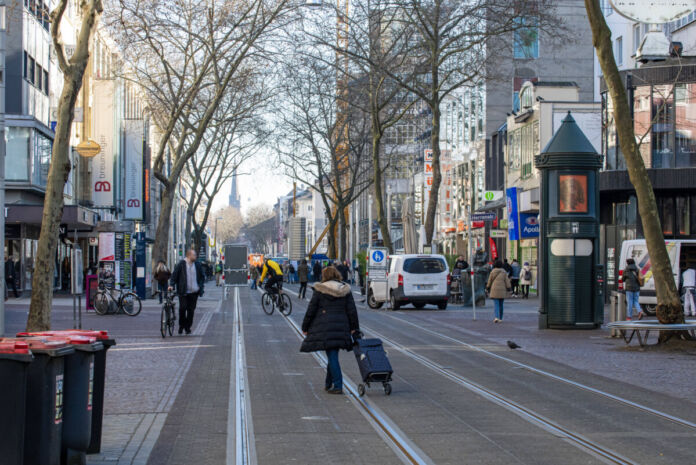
[689, 286]
[525, 279]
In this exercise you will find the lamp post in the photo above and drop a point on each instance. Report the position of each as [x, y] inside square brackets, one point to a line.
[215, 237]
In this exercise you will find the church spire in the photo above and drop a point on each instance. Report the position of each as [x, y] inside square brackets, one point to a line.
[234, 194]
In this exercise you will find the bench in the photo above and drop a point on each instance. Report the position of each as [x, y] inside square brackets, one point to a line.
[641, 329]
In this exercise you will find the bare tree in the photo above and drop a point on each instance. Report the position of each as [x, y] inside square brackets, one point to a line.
[321, 142]
[73, 70]
[258, 213]
[232, 138]
[453, 45]
[186, 55]
[669, 308]
[229, 226]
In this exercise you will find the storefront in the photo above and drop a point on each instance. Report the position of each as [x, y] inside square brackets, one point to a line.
[22, 228]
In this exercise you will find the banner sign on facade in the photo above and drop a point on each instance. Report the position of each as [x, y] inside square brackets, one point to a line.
[133, 201]
[513, 224]
[529, 225]
[103, 164]
[428, 179]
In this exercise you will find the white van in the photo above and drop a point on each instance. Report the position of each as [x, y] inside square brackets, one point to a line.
[418, 279]
[682, 255]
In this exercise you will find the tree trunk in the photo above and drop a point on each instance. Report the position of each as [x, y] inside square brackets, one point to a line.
[333, 240]
[437, 174]
[197, 239]
[39, 317]
[161, 245]
[188, 230]
[379, 195]
[669, 309]
[343, 228]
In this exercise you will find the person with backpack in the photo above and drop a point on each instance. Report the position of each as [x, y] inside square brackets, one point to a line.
[498, 287]
[515, 277]
[525, 280]
[218, 273]
[162, 275]
[633, 280]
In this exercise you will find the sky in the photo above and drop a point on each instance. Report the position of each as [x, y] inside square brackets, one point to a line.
[259, 182]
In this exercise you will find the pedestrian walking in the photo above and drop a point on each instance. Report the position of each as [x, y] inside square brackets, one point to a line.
[461, 264]
[689, 286]
[189, 280]
[632, 280]
[303, 275]
[11, 276]
[316, 271]
[162, 275]
[361, 277]
[218, 273]
[515, 277]
[343, 270]
[507, 267]
[525, 279]
[498, 287]
[291, 273]
[254, 275]
[330, 321]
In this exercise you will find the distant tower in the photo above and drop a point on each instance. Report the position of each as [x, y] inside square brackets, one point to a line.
[234, 194]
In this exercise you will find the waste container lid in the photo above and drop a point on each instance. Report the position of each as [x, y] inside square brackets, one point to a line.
[50, 345]
[13, 346]
[79, 342]
[99, 335]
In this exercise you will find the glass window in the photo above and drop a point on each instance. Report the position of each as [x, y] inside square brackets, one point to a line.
[663, 127]
[17, 158]
[39, 76]
[618, 50]
[615, 159]
[26, 66]
[642, 121]
[526, 38]
[45, 84]
[685, 114]
[636, 37]
[665, 206]
[682, 216]
[32, 70]
[42, 159]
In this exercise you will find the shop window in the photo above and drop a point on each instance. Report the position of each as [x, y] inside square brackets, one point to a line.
[665, 207]
[42, 159]
[682, 216]
[642, 121]
[17, 159]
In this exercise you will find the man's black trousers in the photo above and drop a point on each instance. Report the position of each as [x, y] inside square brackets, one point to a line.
[187, 305]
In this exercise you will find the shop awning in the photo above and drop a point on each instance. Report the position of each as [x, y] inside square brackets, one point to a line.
[75, 217]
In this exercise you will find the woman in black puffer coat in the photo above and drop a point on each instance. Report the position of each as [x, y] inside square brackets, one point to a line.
[330, 320]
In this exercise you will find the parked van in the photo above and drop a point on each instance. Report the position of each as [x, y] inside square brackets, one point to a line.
[418, 280]
[682, 255]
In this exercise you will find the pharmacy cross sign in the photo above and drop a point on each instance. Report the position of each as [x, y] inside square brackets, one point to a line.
[653, 11]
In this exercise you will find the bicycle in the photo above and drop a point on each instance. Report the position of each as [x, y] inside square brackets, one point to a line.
[269, 301]
[168, 318]
[127, 301]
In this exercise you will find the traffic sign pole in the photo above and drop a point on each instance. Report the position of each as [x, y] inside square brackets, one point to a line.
[471, 257]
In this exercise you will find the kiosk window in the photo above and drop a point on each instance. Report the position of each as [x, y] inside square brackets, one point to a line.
[571, 247]
[572, 193]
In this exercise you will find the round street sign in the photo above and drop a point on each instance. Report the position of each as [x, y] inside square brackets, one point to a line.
[489, 195]
[377, 256]
[654, 11]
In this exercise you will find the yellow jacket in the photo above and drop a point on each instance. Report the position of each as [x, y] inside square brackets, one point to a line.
[274, 266]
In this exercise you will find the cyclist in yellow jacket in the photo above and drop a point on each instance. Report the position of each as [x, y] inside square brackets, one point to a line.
[275, 276]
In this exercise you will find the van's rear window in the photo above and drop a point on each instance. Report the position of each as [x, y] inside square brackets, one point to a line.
[424, 265]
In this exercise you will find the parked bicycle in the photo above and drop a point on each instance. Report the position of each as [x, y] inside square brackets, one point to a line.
[125, 301]
[279, 299]
[168, 318]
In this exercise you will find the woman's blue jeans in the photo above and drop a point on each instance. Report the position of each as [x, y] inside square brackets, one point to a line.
[333, 370]
[632, 302]
[498, 308]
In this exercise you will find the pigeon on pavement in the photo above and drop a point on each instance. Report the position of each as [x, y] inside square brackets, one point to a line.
[512, 345]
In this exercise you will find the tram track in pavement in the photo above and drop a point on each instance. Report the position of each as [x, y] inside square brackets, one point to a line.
[404, 448]
[578, 440]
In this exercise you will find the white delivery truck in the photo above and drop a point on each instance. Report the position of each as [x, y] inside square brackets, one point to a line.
[682, 255]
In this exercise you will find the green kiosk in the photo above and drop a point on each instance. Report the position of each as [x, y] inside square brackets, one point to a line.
[571, 278]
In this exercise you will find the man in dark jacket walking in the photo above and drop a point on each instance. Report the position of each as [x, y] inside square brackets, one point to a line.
[189, 279]
[316, 271]
[11, 276]
[303, 276]
[330, 320]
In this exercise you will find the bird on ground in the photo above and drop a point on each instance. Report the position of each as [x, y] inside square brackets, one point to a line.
[512, 345]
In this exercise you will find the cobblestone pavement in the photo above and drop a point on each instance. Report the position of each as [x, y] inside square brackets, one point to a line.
[144, 371]
[171, 402]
